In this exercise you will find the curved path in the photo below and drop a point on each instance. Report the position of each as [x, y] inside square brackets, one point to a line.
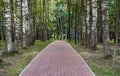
[58, 59]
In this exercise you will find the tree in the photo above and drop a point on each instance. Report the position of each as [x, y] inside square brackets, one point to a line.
[24, 23]
[69, 18]
[17, 26]
[105, 25]
[76, 20]
[44, 21]
[31, 22]
[116, 23]
[93, 26]
[85, 17]
[8, 30]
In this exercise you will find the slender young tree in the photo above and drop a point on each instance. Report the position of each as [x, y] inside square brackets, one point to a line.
[116, 22]
[85, 22]
[44, 21]
[69, 18]
[88, 22]
[17, 25]
[1, 24]
[93, 26]
[8, 30]
[100, 30]
[106, 46]
[76, 21]
[82, 23]
[24, 23]
[1, 19]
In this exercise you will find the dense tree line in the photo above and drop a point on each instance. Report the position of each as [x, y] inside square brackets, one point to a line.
[88, 21]
[95, 20]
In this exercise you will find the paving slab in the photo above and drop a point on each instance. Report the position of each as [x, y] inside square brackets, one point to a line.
[57, 59]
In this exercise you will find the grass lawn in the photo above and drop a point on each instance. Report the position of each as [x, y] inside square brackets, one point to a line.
[97, 63]
[13, 65]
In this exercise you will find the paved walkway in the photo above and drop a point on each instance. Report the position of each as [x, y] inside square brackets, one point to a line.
[57, 59]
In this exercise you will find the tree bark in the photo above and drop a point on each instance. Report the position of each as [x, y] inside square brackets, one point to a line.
[44, 21]
[69, 19]
[93, 27]
[116, 22]
[24, 23]
[17, 26]
[105, 25]
[8, 31]
[76, 21]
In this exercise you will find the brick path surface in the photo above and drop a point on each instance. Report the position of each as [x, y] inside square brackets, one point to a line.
[57, 59]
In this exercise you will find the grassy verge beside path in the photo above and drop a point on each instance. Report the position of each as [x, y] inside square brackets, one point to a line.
[13, 65]
[100, 66]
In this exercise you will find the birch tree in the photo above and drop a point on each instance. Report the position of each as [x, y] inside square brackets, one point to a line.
[31, 24]
[93, 26]
[8, 33]
[17, 25]
[86, 19]
[105, 25]
[24, 23]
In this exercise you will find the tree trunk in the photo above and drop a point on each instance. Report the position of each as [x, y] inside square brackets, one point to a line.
[69, 19]
[24, 23]
[82, 23]
[93, 27]
[76, 21]
[17, 25]
[86, 23]
[44, 21]
[100, 31]
[116, 22]
[106, 46]
[31, 25]
[8, 31]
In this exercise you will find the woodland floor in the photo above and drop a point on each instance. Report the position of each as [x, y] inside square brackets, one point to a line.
[99, 65]
[13, 65]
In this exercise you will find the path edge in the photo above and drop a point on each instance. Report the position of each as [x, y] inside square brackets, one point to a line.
[82, 59]
[33, 59]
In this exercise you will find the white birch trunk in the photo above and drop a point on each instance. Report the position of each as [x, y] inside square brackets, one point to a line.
[85, 22]
[17, 25]
[24, 23]
[8, 30]
[106, 46]
[88, 14]
[93, 26]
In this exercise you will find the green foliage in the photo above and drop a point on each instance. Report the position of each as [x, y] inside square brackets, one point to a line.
[111, 9]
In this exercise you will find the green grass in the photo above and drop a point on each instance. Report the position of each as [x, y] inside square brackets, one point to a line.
[13, 65]
[100, 66]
